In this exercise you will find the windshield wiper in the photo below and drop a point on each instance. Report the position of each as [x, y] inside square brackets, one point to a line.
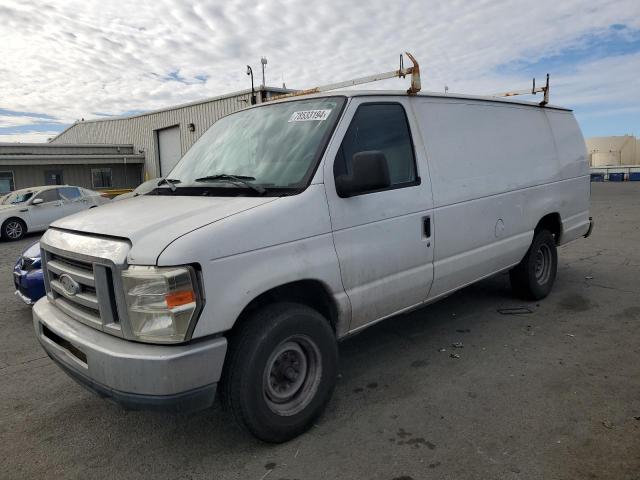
[243, 179]
[170, 182]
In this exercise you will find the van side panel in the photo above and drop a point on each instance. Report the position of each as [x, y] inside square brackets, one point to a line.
[480, 149]
[495, 172]
[574, 168]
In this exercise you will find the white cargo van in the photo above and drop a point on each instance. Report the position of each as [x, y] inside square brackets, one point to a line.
[293, 224]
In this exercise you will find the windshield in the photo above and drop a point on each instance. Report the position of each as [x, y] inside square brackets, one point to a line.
[274, 147]
[17, 197]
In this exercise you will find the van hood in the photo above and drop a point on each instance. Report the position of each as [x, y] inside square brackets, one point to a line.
[152, 222]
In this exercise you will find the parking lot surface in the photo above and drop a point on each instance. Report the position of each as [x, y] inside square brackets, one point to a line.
[549, 391]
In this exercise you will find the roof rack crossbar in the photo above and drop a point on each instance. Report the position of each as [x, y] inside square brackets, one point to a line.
[532, 91]
[402, 72]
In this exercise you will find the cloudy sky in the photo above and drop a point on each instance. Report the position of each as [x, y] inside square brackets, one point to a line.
[65, 60]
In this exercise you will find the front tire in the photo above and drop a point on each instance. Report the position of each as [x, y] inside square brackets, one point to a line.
[13, 229]
[533, 277]
[281, 371]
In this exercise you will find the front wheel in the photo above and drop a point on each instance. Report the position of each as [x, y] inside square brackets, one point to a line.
[533, 277]
[13, 229]
[281, 371]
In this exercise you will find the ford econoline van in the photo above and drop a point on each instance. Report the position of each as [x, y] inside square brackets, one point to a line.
[293, 224]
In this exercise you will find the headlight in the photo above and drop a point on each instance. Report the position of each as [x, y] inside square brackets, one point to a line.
[161, 301]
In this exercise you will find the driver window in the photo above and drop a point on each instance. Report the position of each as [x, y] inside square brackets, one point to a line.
[382, 127]
[48, 195]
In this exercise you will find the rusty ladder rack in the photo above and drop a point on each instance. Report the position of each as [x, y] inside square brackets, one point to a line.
[402, 72]
[533, 91]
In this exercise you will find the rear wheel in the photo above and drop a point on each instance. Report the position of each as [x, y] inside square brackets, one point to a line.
[13, 229]
[281, 371]
[533, 277]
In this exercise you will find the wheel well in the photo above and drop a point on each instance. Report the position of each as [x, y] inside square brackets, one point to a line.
[552, 223]
[312, 293]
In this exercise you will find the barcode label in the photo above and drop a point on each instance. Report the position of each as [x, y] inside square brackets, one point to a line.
[310, 116]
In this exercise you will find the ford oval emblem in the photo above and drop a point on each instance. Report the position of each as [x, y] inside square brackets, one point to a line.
[69, 285]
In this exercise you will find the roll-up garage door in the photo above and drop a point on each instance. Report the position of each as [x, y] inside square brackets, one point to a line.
[169, 148]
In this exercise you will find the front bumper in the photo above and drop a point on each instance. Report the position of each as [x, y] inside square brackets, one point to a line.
[23, 297]
[135, 375]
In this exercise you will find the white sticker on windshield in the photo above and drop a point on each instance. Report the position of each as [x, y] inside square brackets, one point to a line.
[310, 116]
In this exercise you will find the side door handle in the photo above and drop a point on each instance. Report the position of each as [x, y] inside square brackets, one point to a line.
[426, 226]
[426, 229]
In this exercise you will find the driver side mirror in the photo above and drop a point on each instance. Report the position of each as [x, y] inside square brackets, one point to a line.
[37, 201]
[370, 172]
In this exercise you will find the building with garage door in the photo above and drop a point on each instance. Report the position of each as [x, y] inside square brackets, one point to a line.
[97, 167]
[162, 136]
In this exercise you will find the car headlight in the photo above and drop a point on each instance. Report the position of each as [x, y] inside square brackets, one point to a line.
[161, 302]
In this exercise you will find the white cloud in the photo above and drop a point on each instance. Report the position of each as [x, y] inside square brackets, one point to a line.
[11, 121]
[27, 137]
[74, 58]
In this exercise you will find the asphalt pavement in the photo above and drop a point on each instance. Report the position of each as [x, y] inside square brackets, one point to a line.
[550, 390]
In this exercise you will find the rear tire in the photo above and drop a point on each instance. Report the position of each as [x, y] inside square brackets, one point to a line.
[281, 371]
[13, 229]
[533, 277]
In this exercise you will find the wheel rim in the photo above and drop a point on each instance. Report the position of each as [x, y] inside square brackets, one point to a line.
[543, 264]
[14, 230]
[292, 375]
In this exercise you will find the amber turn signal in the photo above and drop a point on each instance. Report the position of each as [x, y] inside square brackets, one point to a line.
[177, 299]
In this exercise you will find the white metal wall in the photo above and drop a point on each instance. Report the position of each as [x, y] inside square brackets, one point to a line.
[615, 150]
[140, 130]
[605, 158]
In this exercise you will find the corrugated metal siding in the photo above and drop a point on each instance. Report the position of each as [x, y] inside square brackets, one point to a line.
[140, 130]
[123, 176]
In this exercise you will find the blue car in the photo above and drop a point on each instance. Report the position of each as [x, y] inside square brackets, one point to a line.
[27, 275]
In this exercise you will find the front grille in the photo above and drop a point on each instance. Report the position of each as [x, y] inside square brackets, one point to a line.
[80, 289]
[72, 263]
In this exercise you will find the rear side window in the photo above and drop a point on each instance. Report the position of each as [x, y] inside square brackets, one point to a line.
[69, 193]
[48, 195]
[383, 127]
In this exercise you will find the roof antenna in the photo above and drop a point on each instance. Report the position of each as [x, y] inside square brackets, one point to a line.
[263, 61]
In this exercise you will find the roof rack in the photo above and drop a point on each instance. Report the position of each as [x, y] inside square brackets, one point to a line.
[533, 91]
[402, 72]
